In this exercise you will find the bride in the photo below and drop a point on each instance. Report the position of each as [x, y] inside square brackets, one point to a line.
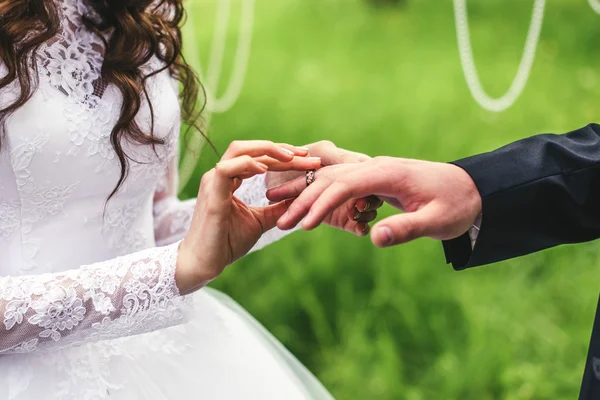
[98, 257]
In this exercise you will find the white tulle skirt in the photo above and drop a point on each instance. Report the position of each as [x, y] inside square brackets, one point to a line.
[221, 353]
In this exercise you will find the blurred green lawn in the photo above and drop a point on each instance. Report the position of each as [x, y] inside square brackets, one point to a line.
[399, 323]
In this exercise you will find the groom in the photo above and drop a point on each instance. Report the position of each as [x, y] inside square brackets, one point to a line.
[533, 194]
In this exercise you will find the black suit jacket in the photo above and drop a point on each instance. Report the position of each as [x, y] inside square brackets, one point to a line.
[537, 193]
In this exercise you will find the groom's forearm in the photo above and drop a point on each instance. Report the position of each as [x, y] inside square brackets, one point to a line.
[537, 193]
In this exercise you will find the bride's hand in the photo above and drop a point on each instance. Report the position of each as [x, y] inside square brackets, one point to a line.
[353, 216]
[223, 228]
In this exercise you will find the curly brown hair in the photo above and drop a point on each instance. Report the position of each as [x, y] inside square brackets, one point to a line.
[140, 29]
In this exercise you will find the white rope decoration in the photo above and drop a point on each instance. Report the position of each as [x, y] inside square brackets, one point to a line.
[242, 55]
[470, 70]
[212, 78]
[595, 4]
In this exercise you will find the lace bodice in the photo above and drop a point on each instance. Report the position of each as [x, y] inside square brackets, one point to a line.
[72, 270]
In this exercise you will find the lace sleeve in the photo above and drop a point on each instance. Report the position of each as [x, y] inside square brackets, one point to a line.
[120, 297]
[253, 193]
[172, 217]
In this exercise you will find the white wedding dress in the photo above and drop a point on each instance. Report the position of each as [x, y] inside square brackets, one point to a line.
[88, 304]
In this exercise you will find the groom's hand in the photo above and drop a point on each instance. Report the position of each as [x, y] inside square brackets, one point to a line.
[354, 215]
[440, 200]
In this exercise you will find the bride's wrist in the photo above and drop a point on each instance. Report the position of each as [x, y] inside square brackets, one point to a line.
[191, 273]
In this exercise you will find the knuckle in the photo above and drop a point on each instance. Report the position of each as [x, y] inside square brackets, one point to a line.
[347, 158]
[246, 159]
[362, 157]
[234, 146]
[380, 159]
[325, 144]
[206, 179]
[264, 145]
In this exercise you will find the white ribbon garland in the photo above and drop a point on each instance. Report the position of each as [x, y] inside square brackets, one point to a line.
[215, 104]
[595, 4]
[212, 78]
[470, 70]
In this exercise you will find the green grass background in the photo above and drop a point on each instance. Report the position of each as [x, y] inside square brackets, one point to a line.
[399, 323]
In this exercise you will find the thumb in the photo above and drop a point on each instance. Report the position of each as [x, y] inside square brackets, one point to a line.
[403, 228]
[269, 215]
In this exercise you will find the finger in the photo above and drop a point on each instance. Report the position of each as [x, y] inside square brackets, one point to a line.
[369, 203]
[288, 190]
[268, 216]
[403, 228]
[333, 196]
[362, 229]
[358, 228]
[226, 171]
[347, 156]
[302, 204]
[257, 148]
[332, 155]
[297, 150]
[366, 216]
[295, 164]
[330, 192]
[293, 188]
[354, 182]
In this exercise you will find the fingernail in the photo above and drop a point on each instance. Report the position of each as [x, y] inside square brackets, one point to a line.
[314, 159]
[263, 166]
[357, 215]
[287, 151]
[303, 148]
[367, 205]
[386, 235]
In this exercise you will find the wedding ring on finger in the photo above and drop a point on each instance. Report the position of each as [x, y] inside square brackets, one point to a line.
[310, 177]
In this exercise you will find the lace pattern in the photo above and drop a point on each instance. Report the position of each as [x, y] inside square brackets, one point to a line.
[9, 219]
[72, 61]
[252, 192]
[55, 175]
[59, 304]
[125, 296]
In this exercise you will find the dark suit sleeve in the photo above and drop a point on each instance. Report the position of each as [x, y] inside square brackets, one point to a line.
[537, 193]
